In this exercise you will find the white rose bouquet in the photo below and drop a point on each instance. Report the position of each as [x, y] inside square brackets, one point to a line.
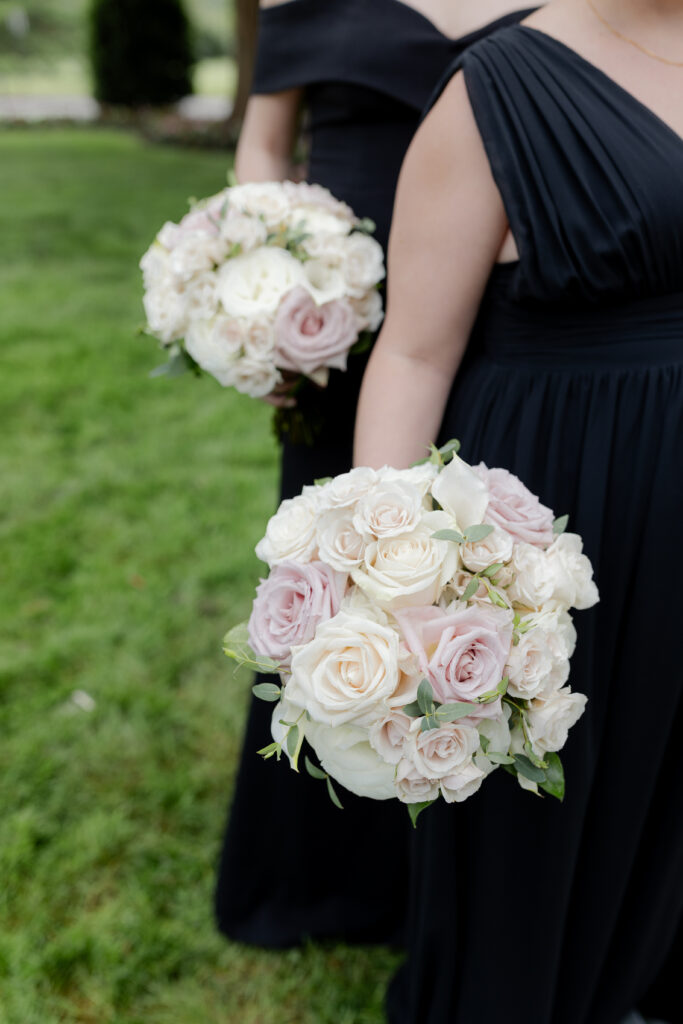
[263, 280]
[419, 621]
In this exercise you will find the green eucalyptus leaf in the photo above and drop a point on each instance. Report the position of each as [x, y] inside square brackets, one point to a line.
[493, 569]
[177, 365]
[495, 757]
[413, 710]
[554, 784]
[333, 794]
[322, 481]
[292, 740]
[428, 723]
[452, 712]
[560, 525]
[448, 535]
[313, 770]
[491, 695]
[236, 646]
[364, 344]
[471, 589]
[496, 598]
[365, 226]
[528, 770]
[267, 691]
[415, 810]
[425, 697]
[451, 447]
[484, 741]
[476, 533]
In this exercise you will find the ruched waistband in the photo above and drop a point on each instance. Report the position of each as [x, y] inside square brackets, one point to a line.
[640, 332]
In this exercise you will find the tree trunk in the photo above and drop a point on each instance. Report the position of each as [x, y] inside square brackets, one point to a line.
[246, 32]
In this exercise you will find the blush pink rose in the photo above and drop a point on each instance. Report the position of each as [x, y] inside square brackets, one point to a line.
[290, 605]
[308, 336]
[514, 508]
[462, 653]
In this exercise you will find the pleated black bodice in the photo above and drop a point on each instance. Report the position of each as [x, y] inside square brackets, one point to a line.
[573, 380]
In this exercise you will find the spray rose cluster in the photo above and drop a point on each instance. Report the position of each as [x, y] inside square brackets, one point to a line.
[419, 621]
[263, 278]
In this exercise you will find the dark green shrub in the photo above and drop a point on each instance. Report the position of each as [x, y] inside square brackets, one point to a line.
[141, 51]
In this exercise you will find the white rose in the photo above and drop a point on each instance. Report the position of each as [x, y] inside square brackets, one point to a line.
[388, 735]
[317, 222]
[363, 263]
[479, 555]
[259, 340]
[441, 752]
[356, 603]
[254, 284]
[347, 672]
[348, 488]
[194, 254]
[410, 569]
[551, 718]
[422, 477]
[369, 311]
[529, 665]
[560, 639]
[154, 266]
[461, 493]
[339, 544]
[201, 297]
[574, 586]
[534, 579]
[267, 199]
[391, 508]
[166, 311]
[290, 533]
[324, 282]
[462, 784]
[254, 377]
[345, 753]
[170, 235]
[411, 787]
[215, 346]
[309, 196]
[247, 232]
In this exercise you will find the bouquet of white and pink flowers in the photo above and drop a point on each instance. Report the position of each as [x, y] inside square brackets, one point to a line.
[419, 623]
[264, 279]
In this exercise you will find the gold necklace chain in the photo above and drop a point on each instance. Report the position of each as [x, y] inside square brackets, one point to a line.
[632, 42]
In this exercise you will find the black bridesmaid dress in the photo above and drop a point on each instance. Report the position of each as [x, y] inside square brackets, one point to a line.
[525, 911]
[293, 866]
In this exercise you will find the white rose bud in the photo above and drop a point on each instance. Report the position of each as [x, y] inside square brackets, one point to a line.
[441, 752]
[338, 542]
[479, 555]
[534, 580]
[411, 786]
[574, 586]
[390, 509]
[462, 784]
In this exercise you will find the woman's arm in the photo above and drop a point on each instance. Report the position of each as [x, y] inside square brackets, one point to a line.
[269, 131]
[448, 228]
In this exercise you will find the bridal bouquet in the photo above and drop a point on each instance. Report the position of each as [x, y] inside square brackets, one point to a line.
[419, 621]
[260, 280]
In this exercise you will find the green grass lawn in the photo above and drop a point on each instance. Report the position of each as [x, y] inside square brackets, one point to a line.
[128, 515]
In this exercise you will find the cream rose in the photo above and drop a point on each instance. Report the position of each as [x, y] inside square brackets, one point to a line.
[410, 569]
[254, 377]
[369, 311]
[411, 787]
[347, 672]
[338, 542]
[388, 735]
[441, 752]
[462, 784]
[215, 346]
[254, 284]
[529, 665]
[265, 199]
[479, 555]
[247, 232]
[551, 718]
[166, 311]
[346, 755]
[325, 283]
[390, 509]
[194, 254]
[290, 534]
[347, 488]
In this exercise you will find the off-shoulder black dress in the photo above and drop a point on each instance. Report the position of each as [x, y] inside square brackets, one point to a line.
[292, 865]
[525, 911]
